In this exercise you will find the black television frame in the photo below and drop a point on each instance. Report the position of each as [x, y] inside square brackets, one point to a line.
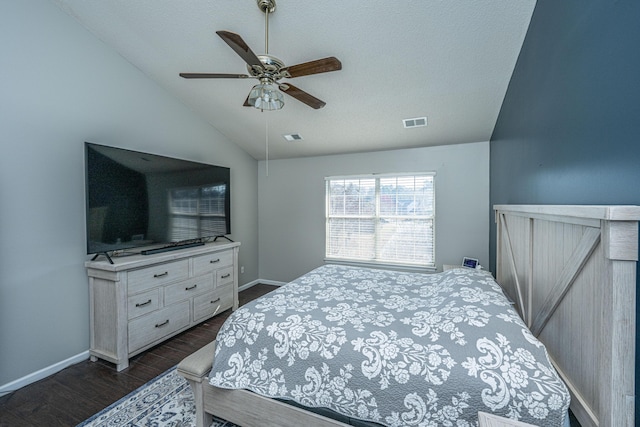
[128, 176]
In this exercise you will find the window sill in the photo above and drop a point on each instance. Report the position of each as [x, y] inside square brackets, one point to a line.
[397, 267]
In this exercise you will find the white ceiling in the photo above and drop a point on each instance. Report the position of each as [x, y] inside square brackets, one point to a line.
[449, 60]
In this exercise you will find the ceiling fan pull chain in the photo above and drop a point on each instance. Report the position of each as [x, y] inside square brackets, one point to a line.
[266, 132]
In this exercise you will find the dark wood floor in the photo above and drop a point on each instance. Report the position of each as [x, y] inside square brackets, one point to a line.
[79, 391]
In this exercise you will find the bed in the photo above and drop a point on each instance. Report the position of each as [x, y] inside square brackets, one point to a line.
[435, 349]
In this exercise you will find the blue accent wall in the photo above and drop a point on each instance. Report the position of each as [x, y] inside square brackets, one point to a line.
[569, 127]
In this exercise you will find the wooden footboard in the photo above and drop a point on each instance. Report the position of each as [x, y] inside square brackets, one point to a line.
[571, 271]
[249, 409]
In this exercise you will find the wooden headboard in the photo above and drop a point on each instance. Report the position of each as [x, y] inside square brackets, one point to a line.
[571, 271]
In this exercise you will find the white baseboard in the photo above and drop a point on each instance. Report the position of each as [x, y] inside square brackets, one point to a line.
[271, 282]
[247, 285]
[260, 282]
[42, 373]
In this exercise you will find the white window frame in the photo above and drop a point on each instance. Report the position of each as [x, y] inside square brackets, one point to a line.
[378, 259]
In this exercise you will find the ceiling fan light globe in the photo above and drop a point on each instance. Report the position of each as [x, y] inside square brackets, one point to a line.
[265, 96]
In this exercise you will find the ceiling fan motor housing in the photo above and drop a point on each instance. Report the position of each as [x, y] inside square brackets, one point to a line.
[271, 68]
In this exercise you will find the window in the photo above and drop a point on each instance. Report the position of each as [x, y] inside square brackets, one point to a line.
[197, 211]
[381, 219]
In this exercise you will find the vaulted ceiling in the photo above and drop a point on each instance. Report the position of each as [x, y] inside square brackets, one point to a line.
[449, 61]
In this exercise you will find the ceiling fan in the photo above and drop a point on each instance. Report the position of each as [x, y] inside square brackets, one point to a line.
[269, 70]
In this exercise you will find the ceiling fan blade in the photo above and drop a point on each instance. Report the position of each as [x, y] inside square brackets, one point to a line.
[315, 67]
[302, 96]
[240, 47]
[212, 76]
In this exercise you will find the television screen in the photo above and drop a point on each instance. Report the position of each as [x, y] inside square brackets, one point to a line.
[136, 199]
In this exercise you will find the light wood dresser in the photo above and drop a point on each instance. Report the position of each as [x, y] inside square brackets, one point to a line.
[141, 300]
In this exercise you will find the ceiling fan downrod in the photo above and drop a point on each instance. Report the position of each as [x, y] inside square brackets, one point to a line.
[266, 6]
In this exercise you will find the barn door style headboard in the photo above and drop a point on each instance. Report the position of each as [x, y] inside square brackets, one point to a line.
[571, 272]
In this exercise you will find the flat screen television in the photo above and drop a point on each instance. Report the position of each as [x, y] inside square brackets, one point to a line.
[136, 199]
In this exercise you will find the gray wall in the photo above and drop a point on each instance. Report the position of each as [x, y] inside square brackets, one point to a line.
[292, 203]
[569, 127]
[59, 87]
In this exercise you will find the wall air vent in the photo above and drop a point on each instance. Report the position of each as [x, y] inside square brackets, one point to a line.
[293, 137]
[415, 122]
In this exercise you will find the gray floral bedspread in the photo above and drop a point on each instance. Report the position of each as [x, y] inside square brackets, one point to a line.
[399, 349]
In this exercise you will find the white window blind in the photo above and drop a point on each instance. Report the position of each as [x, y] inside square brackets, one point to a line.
[197, 211]
[381, 219]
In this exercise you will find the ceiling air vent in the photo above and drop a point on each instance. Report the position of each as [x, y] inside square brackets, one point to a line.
[415, 122]
[293, 137]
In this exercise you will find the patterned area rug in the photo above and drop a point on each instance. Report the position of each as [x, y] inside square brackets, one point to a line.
[164, 401]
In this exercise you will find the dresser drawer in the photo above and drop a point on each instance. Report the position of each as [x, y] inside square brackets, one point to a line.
[212, 303]
[224, 276]
[188, 288]
[144, 303]
[156, 275]
[211, 262]
[158, 324]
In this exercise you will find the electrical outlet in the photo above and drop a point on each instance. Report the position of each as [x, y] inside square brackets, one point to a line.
[242, 269]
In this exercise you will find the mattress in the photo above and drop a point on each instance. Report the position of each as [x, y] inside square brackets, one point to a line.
[392, 348]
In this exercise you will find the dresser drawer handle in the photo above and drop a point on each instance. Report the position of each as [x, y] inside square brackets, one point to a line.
[142, 304]
[213, 261]
[189, 288]
[159, 325]
[225, 276]
[215, 301]
[166, 273]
